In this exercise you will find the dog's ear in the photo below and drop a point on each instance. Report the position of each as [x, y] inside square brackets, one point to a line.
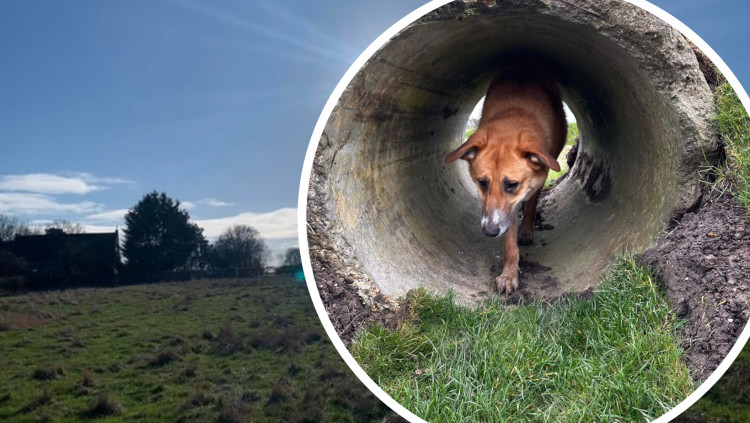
[540, 158]
[537, 155]
[470, 148]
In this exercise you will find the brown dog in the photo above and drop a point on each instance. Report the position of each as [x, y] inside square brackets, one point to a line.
[521, 132]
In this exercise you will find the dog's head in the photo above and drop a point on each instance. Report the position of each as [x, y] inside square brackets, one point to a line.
[508, 166]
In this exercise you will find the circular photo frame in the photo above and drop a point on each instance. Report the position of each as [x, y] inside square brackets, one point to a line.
[393, 226]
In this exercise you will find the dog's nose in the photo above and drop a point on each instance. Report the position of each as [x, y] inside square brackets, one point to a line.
[491, 231]
[495, 223]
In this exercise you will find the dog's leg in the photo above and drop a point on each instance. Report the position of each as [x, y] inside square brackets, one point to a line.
[507, 282]
[525, 236]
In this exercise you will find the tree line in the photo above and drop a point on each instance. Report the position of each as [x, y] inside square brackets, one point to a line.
[161, 243]
[10, 226]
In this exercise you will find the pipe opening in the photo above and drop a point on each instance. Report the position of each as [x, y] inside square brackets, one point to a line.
[394, 211]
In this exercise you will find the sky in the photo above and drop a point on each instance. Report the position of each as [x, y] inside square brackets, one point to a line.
[212, 102]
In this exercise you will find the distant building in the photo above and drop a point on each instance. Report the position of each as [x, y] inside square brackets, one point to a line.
[57, 259]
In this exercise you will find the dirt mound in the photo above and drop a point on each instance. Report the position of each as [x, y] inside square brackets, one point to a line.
[704, 263]
[345, 305]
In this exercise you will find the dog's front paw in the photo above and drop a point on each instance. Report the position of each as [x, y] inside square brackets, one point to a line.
[507, 283]
[525, 238]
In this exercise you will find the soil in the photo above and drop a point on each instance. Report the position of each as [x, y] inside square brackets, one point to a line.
[346, 306]
[704, 265]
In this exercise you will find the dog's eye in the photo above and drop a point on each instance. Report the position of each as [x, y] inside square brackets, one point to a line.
[509, 186]
[484, 184]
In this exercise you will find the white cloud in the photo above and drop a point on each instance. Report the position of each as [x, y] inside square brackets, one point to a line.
[216, 203]
[94, 229]
[47, 183]
[189, 205]
[41, 222]
[87, 177]
[280, 223]
[36, 204]
[110, 216]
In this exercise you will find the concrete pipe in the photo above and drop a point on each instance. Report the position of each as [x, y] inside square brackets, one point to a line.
[383, 203]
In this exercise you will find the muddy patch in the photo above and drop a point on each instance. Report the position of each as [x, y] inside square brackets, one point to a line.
[543, 286]
[704, 263]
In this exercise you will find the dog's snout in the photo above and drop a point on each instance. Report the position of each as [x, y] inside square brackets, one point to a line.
[491, 231]
[495, 223]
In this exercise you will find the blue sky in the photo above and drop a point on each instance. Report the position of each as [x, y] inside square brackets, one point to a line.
[213, 102]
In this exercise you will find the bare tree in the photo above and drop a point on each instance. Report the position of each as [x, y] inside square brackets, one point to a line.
[10, 226]
[241, 249]
[292, 257]
[66, 226]
[291, 263]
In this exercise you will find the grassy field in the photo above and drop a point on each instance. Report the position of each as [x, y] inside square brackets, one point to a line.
[230, 351]
[613, 357]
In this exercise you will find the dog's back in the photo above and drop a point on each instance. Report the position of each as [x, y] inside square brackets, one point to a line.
[519, 91]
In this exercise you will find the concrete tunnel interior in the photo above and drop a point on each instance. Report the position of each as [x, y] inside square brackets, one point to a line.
[396, 212]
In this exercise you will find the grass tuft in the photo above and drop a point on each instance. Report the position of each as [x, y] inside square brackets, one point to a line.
[27, 319]
[39, 401]
[280, 392]
[163, 358]
[228, 341]
[733, 125]
[613, 357]
[104, 406]
[87, 379]
[234, 411]
[48, 373]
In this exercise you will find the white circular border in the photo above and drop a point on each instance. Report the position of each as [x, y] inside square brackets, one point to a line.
[305, 182]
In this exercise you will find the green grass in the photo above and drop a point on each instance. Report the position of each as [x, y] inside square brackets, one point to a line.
[553, 176]
[613, 357]
[733, 125]
[243, 350]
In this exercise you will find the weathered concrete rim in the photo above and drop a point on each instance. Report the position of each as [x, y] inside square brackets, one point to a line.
[309, 166]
